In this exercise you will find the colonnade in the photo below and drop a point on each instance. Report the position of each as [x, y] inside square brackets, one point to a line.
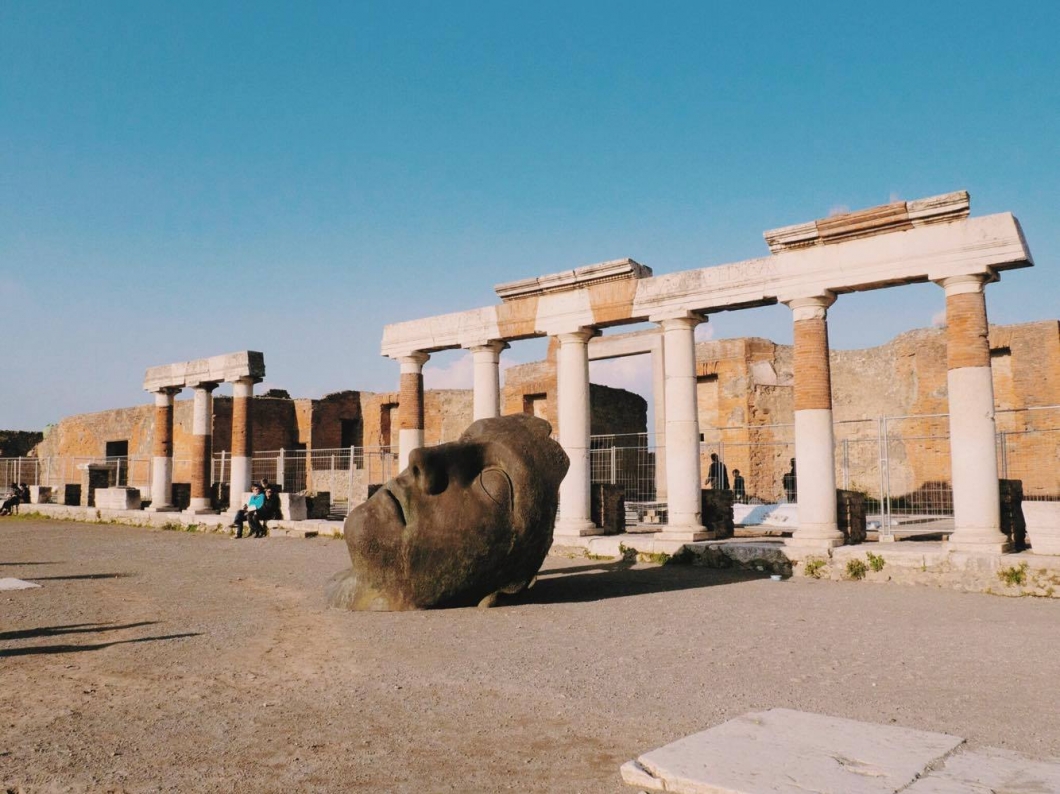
[243, 370]
[975, 491]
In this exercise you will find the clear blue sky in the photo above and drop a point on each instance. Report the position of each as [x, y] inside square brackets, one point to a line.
[180, 180]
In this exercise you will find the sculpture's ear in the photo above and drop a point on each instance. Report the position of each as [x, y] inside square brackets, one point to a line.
[498, 486]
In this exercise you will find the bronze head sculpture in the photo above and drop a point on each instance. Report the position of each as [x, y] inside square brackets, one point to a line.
[463, 522]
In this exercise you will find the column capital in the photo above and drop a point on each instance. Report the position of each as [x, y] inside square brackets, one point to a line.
[813, 307]
[246, 379]
[413, 362]
[206, 386]
[689, 322]
[581, 336]
[964, 285]
[494, 346]
[167, 391]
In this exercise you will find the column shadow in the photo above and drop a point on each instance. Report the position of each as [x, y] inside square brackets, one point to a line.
[50, 649]
[72, 628]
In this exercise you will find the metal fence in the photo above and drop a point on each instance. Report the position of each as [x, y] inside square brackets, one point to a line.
[901, 464]
[346, 474]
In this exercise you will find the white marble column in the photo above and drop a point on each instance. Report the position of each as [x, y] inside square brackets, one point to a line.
[487, 393]
[410, 405]
[658, 396]
[683, 477]
[242, 440]
[162, 453]
[572, 388]
[973, 451]
[818, 529]
[201, 449]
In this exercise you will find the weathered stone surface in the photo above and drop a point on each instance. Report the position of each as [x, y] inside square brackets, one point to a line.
[990, 771]
[217, 369]
[791, 752]
[463, 522]
[118, 498]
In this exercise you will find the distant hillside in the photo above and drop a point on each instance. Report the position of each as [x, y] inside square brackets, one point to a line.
[15, 443]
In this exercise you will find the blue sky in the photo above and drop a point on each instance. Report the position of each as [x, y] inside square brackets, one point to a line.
[179, 180]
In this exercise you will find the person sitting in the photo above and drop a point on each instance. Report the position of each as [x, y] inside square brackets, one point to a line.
[23, 493]
[250, 509]
[271, 509]
[10, 504]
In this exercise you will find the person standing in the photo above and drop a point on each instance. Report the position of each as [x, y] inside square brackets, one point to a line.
[717, 474]
[739, 489]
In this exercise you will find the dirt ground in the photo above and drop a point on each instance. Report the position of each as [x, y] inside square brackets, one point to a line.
[165, 661]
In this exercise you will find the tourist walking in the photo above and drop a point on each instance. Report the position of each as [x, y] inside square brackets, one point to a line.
[718, 474]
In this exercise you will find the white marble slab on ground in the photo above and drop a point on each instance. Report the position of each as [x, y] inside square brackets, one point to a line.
[16, 584]
[781, 751]
[989, 771]
[775, 515]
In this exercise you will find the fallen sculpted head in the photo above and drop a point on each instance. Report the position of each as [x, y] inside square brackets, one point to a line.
[464, 522]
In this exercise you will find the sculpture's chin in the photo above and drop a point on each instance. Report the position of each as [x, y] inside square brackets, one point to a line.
[348, 590]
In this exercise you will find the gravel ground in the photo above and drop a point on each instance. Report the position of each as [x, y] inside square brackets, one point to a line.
[165, 661]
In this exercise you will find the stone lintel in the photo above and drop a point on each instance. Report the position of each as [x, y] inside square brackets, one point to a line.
[578, 278]
[217, 369]
[897, 216]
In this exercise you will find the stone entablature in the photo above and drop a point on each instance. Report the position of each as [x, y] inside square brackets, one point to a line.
[578, 278]
[216, 369]
[925, 250]
[866, 223]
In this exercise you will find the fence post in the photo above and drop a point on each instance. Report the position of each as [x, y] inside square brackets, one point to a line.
[117, 473]
[349, 485]
[881, 454]
[280, 467]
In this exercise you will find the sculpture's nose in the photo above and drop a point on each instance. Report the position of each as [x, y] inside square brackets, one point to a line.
[428, 470]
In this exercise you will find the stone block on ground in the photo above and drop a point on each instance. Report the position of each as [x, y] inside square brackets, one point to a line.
[717, 512]
[781, 751]
[608, 508]
[293, 506]
[40, 494]
[118, 498]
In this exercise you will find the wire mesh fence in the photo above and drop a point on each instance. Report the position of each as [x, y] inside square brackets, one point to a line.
[900, 464]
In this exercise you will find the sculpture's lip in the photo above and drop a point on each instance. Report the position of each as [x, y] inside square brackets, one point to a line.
[388, 489]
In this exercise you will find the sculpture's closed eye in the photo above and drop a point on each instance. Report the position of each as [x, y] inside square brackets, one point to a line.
[498, 486]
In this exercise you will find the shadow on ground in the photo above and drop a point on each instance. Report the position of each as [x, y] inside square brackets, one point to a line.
[48, 649]
[73, 628]
[620, 579]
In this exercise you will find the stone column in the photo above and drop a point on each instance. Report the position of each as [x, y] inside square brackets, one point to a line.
[973, 451]
[410, 405]
[572, 389]
[201, 449]
[683, 477]
[818, 528]
[658, 395]
[162, 453]
[487, 395]
[242, 439]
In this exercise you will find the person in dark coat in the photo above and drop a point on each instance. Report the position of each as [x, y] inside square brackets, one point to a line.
[718, 474]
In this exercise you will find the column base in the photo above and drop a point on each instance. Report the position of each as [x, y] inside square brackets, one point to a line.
[799, 547]
[687, 534]
[191, 512]
[1003, 546]
[162, 509]
[575, 528]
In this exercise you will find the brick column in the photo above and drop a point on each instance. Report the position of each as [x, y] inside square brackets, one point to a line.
[818, 528]
[410, 406]
[683, 476]
[242, 439]
[201, 449]
[162, 453]
[973, 452]
[487, 394]
[572, 396]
